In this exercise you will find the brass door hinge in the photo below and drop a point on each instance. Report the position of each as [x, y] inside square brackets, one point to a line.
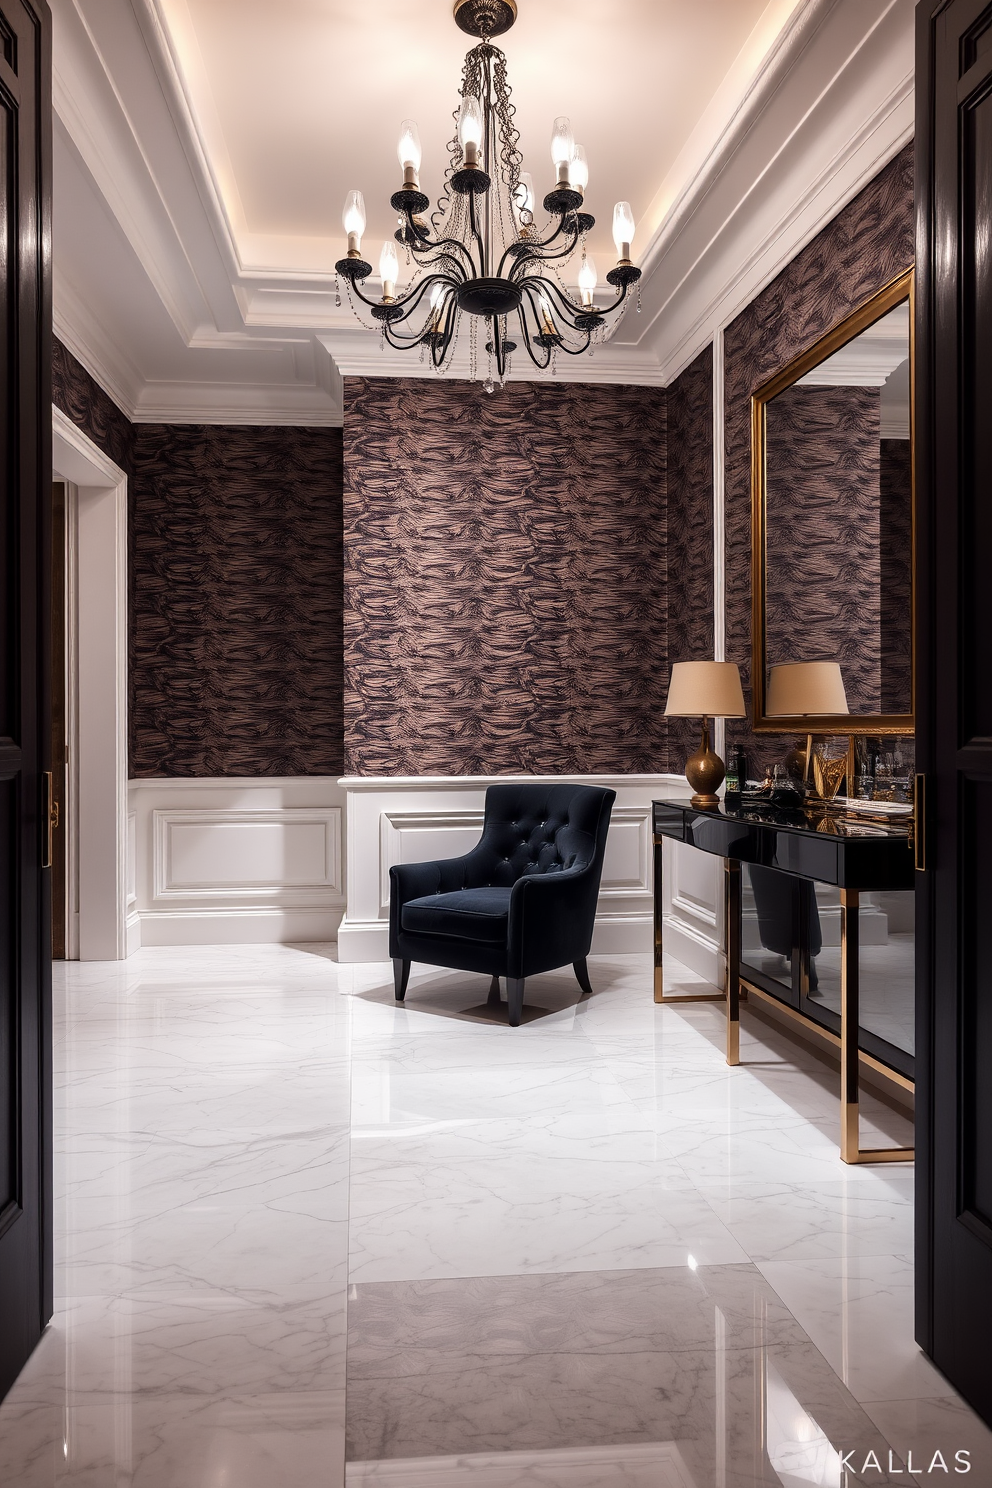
[920, 823]
[51, 819]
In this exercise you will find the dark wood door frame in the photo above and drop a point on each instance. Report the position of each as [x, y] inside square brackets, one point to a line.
[25, 687]
[954, 678]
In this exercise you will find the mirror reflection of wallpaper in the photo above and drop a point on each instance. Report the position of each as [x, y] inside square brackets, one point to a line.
[823, 553]
[868, 243]
[839, 517]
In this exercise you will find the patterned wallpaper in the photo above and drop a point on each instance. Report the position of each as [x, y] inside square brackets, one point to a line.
[84, 401]
[505, 605]
[234, 578]
[823, 593]
[236, 614]
[897, 575]
[866, 245]
[690, 531]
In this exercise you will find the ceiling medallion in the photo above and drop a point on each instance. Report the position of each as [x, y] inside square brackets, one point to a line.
[481, 253]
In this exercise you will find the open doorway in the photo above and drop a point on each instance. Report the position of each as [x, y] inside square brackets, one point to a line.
[91, 657]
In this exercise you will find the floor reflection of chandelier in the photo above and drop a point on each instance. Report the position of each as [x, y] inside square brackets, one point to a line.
[482, 253]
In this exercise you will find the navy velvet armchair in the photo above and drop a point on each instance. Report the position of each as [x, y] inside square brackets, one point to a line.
[521, 902]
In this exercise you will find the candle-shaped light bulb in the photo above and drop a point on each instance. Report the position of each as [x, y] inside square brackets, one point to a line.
[353, 218]
[578, 175]
[408, 152]
[524, 195]
[437, 295]
[389, 269]
[562, 148]
[588, 278]
[471, 128]
[623, 228]
[548, 324]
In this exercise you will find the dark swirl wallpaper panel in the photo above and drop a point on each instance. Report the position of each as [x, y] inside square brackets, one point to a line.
[896, 477]
[83, 400]
[823, 600]
[505, 578]
[236, 661]
[690, 531]
[866, 245]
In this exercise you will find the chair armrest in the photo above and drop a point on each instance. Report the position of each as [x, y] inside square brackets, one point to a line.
[412, 880]
[551, 919]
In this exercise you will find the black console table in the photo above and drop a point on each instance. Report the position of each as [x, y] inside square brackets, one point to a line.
[815, 846]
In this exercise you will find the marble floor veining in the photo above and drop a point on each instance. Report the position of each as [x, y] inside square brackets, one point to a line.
[305, 1236]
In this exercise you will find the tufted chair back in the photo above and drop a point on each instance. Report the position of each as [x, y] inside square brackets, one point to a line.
[533, 828]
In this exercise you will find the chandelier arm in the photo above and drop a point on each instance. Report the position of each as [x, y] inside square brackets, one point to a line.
[564, 251]
[426, 246]
[534, 250]
[416, 294]
[576, 350]
[529, 341]
[567, 306]
[441, 346]
[528, 261]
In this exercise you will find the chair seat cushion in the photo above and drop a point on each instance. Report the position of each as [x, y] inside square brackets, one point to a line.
[467, 914]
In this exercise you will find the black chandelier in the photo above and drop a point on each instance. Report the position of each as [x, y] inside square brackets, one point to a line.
[481, 253]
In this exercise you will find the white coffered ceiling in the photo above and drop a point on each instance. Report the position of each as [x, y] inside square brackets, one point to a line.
[203, 149]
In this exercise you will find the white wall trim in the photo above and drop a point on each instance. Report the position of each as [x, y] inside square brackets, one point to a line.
[99, 823]
[719, 528]
[244, 860]
[406, 819]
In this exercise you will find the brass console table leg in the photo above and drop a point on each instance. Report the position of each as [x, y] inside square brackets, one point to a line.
[733, 940]
[659, 975]
[850, 1021]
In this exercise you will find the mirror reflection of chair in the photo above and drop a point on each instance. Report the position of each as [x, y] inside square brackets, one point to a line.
[776, 906]
[521, 902]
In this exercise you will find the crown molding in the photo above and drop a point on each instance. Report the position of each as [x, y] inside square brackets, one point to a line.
[831, 106]
[82, 334]
[826, 106]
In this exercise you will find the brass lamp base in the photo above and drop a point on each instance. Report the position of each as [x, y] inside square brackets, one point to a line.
[705, 771]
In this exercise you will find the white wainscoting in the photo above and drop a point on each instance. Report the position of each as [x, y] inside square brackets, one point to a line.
[235, 861]
[409, 819]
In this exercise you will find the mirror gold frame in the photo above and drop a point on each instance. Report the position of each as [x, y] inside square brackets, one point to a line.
[893, 293]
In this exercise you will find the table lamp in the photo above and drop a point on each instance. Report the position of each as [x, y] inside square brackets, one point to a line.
[705, 690]
[799, 689]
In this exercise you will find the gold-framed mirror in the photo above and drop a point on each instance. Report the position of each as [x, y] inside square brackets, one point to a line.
[832, 520]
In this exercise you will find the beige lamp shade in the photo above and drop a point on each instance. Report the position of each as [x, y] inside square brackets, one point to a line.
[705, 689]
[796, 688]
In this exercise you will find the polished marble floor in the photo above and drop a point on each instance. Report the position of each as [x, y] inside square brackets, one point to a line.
[306, 1236]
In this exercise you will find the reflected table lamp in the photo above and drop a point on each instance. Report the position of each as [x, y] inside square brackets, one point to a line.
[811, 689]
[705, 690]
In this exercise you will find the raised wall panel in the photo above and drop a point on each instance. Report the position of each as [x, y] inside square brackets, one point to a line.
[237, 861]
[205, 853]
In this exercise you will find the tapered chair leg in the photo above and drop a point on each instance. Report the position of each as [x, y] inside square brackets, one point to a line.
[582, 976]
[493, 998]
[401, 975]
[515, 999]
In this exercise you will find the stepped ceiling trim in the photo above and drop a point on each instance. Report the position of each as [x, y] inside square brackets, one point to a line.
[822, 100]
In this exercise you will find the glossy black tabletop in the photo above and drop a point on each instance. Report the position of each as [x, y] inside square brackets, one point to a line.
[852, 853]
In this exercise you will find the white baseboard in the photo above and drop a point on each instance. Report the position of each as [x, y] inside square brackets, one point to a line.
[251, 926]
[696, 951]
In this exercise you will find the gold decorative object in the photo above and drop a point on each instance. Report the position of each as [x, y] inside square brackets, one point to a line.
[828, 774]
[705, 690]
